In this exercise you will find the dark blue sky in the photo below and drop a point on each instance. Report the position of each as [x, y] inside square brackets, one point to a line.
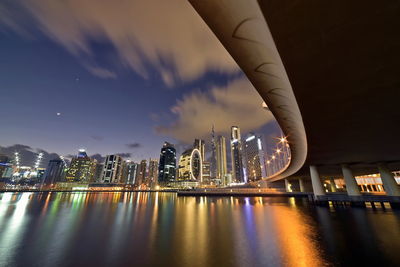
[107, 97]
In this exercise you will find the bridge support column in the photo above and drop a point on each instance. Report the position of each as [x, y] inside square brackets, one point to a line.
[389, 183]
[301, 185]
[333, 185]
[287, 186]
[316, 182]
[351, 183]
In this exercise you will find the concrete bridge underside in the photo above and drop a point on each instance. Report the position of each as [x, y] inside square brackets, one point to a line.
[342, 59]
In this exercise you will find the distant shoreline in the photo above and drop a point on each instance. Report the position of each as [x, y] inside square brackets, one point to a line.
[84, 191]
[180, 193]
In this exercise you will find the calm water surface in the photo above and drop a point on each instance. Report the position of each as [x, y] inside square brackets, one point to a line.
[161, 229]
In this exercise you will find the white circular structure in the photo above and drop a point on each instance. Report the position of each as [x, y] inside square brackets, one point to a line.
[196, 166]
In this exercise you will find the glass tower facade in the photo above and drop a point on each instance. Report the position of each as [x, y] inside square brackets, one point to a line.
[167, 164]
[221, 157]
[236, 155]
[54, 172]
[254, 158]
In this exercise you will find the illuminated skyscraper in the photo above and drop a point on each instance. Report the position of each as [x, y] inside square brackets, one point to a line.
[213, 159]
[131, 172]
[254, 158]
[82, 168]
[54, 172]
[153, 172]
[206, 171]
[236, 155]
[191, 165]
[112, 171]
[167, 164]
[200, 145]
[221, 157]
[141, 174]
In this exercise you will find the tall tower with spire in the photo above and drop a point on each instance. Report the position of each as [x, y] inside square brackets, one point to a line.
[213, 161]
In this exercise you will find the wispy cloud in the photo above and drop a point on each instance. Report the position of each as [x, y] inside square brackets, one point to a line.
[124, 155]
[238, 103]
[101, 72]
[133, 145]
[168, 36]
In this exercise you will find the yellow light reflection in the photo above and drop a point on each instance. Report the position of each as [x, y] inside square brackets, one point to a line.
[295, 238]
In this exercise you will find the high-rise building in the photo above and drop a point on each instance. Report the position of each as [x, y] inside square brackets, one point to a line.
[167, 164]
[206, 171]
[81, 169]
[112, 169]
[141, 174]
[98, 172]
[200, 145]
[254, 158]
[236, 155]
[213, 159]
[153, 172]
[54, 172]
[221, 157]
[131, 172]
[191, 165]
[124, 171]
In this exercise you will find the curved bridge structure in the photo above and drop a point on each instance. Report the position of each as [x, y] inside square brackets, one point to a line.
[330, 70]
[242, 29]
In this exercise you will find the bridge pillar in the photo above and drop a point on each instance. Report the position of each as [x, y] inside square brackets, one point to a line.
[301, 185]
[351, 183]
[287, 186]
[316, 181]
[389, 183]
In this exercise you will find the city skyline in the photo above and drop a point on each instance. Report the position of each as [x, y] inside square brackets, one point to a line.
[192, 165]
[30, 153]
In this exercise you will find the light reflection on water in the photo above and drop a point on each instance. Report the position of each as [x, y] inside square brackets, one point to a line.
[120, 229]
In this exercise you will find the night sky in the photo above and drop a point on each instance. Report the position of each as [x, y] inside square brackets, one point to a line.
[117, 78]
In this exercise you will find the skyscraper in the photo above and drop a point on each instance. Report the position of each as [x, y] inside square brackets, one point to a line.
[54, 172]
[200, 145]
[221, 157]
[206, 172]
[191, 165]
[254, 158]
[82, 168]
[153, 172]
[131, 172]
[112, 171]
[167, 164]
[98, 172]
[236, 155]
[213, 160]
[141, 174]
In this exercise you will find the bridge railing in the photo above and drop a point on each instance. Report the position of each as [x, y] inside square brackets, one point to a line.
[279, 159]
